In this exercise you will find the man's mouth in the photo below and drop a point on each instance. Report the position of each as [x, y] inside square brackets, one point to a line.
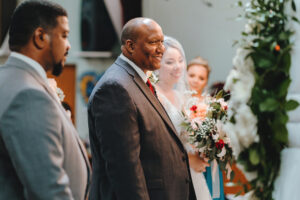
[158, 58]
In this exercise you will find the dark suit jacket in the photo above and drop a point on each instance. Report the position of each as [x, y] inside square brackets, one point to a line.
[136, 152]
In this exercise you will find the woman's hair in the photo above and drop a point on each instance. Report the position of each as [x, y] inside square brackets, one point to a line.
[173, 43]
[199, 61]
[170, 42]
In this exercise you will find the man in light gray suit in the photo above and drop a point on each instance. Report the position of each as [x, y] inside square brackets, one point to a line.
[41, 156]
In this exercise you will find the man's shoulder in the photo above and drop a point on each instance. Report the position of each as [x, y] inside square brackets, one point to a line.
[115, 77]
[14, 81]
[115, 74]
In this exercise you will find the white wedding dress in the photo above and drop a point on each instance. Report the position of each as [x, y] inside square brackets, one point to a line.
[288, 182]
[198, 179]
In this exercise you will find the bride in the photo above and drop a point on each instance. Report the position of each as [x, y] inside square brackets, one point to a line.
[170, 88]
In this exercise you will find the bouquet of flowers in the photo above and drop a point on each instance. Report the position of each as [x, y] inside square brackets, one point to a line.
[203, 124]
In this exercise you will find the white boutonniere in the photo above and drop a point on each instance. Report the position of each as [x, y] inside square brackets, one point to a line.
[53, 85]
[152, 77]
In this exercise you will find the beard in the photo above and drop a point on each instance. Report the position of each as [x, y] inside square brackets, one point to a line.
[57, 69]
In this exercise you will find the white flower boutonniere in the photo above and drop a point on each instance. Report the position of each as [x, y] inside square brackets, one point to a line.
[53, 85]
[152, 77]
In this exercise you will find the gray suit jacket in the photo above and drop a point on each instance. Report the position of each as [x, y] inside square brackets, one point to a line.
[136, 152]
[41, 156]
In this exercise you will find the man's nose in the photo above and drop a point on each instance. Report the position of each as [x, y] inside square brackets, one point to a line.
[68, 45]
[161, 48]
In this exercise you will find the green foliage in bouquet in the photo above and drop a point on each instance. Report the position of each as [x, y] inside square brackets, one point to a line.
[268, 40]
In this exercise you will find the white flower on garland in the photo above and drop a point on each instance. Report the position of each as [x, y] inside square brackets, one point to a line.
[251, 25]
[240, 82]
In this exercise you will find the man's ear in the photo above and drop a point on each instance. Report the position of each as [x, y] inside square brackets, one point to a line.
[129, 45]
[40, 38]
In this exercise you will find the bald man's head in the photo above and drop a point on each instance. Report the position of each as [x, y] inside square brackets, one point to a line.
[142, 42]
[131, 28]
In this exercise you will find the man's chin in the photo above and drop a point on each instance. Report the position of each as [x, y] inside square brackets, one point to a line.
[155, 67]
[57, 69]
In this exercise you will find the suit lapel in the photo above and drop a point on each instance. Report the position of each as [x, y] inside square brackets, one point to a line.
[149, 95]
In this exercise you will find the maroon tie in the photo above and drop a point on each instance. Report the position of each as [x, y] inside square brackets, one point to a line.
[151, 87]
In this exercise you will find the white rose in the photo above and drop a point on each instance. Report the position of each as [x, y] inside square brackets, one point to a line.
[230, 80]
[241, 90]
[246, 125]
[234, 139]
[215, 136]
[241, 64]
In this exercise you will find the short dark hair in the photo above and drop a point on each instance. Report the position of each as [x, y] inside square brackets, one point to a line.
[129, 33]
[30, 15]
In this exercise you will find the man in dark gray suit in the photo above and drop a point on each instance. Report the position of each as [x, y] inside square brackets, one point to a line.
[136, 152]
[41, 156]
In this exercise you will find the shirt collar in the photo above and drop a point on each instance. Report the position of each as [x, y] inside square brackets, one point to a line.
[135, 67]
[32, 63]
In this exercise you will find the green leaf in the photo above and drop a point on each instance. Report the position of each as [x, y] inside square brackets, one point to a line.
[268, 105]
[286, 62]
[295, 19]
[254, 157]
[291, 105]
[232, 119]
[238, 194]
[219, 94]
[232, 175]
[293, 5]
[262, 59]
[281, 133]
[283, 87]
[284, 35]
[264, 63]
[240, 3]
[281, 117]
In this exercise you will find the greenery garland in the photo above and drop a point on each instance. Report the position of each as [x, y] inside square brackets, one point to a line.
[268, 41]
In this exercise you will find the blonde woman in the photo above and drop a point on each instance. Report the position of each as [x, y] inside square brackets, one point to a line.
[170, 93]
